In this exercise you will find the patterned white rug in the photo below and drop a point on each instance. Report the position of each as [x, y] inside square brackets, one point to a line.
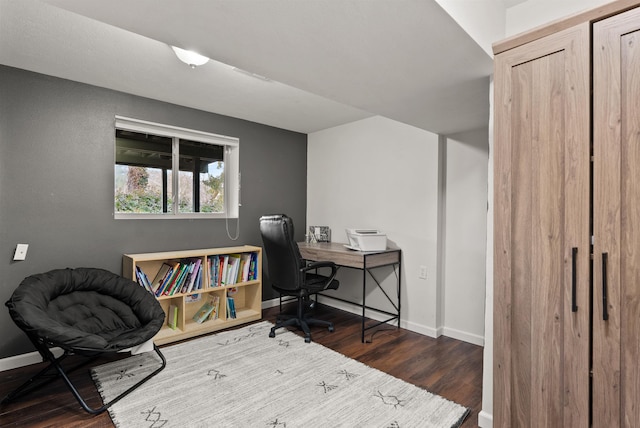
[242, 378]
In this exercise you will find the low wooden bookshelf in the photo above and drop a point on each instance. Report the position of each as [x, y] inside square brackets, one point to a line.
[245, 290]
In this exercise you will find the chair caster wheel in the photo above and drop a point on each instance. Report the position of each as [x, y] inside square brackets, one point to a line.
[330, 329]
[272, 333]
[307, 339]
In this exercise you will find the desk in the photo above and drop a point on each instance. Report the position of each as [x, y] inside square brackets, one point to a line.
[365, 261]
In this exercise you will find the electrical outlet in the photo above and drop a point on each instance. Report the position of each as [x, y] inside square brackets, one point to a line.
[423, 272]
[21, 252]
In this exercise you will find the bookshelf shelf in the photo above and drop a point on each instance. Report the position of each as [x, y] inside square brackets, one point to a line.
[196, 277]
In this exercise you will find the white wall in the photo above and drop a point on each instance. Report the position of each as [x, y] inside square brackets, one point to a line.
[483, 20]
[379, 173]
[533, 13]
[466, 235]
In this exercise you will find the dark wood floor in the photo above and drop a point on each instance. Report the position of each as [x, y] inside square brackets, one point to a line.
[448, 367]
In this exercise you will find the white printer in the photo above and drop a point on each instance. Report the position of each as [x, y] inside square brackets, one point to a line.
[366, 240]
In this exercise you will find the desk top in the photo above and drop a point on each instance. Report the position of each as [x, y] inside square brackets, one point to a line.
[342, 256]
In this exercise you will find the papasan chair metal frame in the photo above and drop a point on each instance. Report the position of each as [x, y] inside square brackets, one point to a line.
[86, 312]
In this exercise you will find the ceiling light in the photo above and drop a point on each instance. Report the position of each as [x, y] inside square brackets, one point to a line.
[190, 58]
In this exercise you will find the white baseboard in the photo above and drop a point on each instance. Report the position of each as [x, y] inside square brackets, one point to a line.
[266, 304]
[27, 359]
[411, 326]
[34, 357]
[485, 420]
[357, 310]
[419, 328]
[20, 361]
[464, 336]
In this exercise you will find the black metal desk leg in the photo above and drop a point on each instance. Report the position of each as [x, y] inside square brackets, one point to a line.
[364, 291]
[399, 283]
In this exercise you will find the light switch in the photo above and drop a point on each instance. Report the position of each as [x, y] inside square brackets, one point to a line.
[21, 252]
[422, 274]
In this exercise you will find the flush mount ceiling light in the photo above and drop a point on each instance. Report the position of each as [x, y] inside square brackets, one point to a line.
[190, 58]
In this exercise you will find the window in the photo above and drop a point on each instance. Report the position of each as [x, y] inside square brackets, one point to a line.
[163, 171]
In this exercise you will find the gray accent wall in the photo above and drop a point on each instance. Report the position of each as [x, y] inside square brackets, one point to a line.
[57, 174]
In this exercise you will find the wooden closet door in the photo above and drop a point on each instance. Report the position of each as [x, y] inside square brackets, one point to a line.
[541, 341]
[616, 323]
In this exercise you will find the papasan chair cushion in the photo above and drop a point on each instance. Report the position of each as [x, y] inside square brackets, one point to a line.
[85, 309]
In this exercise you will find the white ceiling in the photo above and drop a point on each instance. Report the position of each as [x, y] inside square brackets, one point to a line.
[337, 60]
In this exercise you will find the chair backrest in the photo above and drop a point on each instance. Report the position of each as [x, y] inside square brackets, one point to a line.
[85, 308]
[281, 252]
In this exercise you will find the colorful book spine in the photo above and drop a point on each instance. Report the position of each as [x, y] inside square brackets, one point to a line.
[194, 270]
[163, 290]
[232, 271]
[229, 269]
[231, 307]
[175, 286]
[246, 264]
[197, 284]
[216, 308]
[224, 263]
[172, 319]
[214, 264]
[160, 277]
[253, 267]
[143, 280]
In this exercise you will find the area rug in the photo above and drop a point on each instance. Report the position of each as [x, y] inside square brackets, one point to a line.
[242, 378]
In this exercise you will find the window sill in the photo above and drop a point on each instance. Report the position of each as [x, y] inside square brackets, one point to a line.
[171, 216]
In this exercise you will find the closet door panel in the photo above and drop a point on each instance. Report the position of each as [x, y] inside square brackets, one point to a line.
[616, 342]
[541, 213]
[522, 174]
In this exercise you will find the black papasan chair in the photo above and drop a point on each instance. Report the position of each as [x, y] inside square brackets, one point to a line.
[85, 312]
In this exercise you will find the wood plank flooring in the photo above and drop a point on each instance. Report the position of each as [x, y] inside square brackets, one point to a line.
[444, 366]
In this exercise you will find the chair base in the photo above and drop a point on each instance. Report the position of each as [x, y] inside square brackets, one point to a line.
[302, 321]
[44, 377]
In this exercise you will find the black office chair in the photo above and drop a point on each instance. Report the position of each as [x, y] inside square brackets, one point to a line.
[290, 275]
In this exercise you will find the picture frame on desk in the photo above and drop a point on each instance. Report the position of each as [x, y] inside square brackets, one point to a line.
[319, 234]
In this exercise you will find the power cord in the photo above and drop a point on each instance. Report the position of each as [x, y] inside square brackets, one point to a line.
[226, 220]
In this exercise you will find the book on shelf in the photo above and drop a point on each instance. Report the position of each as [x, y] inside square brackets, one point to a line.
[182, 276]
[218, 266]
[214, 264]
[231, 307]
[253, 267]
[246, 264]
[216, 308]
[231, 261]
[232, 271]
[205, 310]
[176, 283]
[142, 279]
[229, 269]
[197, 283]
[224, 264]
[164, 270]
[168, 279]
[172, 318]
[192, 275]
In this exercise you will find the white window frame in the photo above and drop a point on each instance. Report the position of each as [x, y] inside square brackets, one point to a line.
[231, 167]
